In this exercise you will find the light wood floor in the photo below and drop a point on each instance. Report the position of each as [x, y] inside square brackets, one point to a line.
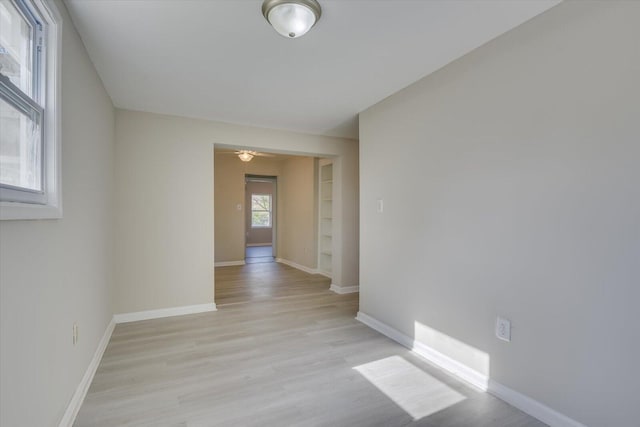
[253, 282]
[297, 360]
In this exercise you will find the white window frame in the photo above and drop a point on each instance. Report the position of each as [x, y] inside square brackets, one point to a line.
[270, 211]
[48, 203]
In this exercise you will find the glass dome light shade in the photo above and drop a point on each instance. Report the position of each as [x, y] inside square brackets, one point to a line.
[245, 155]
[291, 18]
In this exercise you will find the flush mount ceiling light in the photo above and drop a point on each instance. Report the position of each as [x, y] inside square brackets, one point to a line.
[291, 18]
[245, 155]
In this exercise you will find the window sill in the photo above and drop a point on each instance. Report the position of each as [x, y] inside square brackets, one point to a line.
[22, 211]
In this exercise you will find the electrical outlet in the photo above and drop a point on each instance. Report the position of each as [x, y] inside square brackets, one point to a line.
[503, 329]
[380, 205]
[75, 333]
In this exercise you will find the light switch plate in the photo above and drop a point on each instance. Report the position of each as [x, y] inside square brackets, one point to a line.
[380, 205]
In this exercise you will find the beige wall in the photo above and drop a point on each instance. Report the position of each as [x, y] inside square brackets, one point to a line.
[526, 155]
[165, 203]
[57, 272]
[296, 206]
[298, 216]
[164, 206]
[229, 193]
[346, 235]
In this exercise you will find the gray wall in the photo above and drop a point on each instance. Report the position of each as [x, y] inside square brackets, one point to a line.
[57, 272]
[526, 155]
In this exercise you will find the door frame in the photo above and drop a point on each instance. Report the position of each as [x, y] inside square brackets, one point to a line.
[274, 203]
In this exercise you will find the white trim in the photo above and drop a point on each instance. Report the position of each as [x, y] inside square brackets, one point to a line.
[296, 265]
[443, 361]
[532, 407]
[228, 263]
[310, 271]
[251, 245]
[526, 404]
[52, 122]
[81, 391]
[163, 312]
[344, 289]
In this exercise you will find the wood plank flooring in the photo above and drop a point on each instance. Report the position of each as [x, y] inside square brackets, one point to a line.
[253, 282]
[279, 360]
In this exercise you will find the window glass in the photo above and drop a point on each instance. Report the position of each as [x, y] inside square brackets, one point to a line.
[29, 96]
[261, 210]
[16, 54]
[20, 149]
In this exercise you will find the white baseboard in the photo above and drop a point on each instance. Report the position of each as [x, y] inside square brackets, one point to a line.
[344, 289]
[532, 407]
[81, 391]
[443, 361]
[228, 263]
[163, 312]
[525, 403]
[323, 273]
[251, 245]
[296, 265]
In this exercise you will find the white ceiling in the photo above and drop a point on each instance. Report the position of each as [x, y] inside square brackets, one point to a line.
[220, 60]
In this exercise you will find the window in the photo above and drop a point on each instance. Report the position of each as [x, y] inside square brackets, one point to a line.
[29, 146]
[260, 210]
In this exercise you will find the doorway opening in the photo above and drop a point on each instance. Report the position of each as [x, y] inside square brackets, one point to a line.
[260, 218]
[266, 226]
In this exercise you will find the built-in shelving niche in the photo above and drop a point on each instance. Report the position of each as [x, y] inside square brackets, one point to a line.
[325, 241]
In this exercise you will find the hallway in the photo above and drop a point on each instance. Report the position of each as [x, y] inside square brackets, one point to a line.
[258, 254]
[254, 282]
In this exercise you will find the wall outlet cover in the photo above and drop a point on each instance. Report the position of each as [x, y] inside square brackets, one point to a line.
[503, 329]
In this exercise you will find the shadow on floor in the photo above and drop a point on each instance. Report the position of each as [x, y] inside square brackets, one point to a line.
[258, 254]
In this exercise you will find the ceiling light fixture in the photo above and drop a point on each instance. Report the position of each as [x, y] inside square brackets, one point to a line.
[291, 18]
[245, 155]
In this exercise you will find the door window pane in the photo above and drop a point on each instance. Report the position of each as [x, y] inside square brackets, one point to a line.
[16, 55]
[260, 219]
[261, 210]
[261, 202]
[20, 149]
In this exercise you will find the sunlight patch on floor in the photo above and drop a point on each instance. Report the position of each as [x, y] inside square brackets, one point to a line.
[414, 390]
